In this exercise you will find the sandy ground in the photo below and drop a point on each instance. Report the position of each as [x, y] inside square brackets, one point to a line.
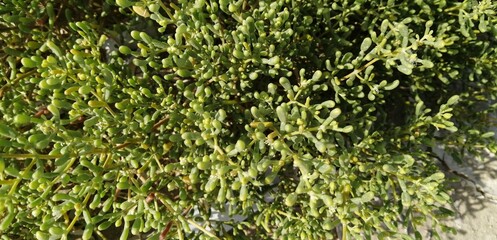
[474, 198]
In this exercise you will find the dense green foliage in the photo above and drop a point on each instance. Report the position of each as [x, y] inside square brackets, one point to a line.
[311, 119]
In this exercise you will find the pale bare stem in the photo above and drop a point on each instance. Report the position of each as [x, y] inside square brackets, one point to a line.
[21, 156]
[162, 199]
[201, 228]
[106, 105]
[180, 233]
[344, 232]
[78, 213]
[8, 182]
[123, 145]
[356, 71]
[24, 173]
[169, 14]
[287, 215]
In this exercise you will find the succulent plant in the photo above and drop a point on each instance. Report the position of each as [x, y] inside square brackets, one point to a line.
[291, 119]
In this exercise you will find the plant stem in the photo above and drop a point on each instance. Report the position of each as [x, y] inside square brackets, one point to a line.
[18, 78]
[24, 175]
[21, 156]
[78, 213]
[159, 123]
[201, 228]
[8, 182]
[344, 232]
[356, 71]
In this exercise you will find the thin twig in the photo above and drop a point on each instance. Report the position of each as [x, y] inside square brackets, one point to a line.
[356, 71]
[166, 230]
[119, 146]
[201, 228]
[159, 123]
[18, 78]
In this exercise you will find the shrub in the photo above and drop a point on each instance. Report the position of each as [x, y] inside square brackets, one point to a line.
[294, 119]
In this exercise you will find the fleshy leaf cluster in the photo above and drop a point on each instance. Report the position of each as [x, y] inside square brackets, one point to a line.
[238, 119]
